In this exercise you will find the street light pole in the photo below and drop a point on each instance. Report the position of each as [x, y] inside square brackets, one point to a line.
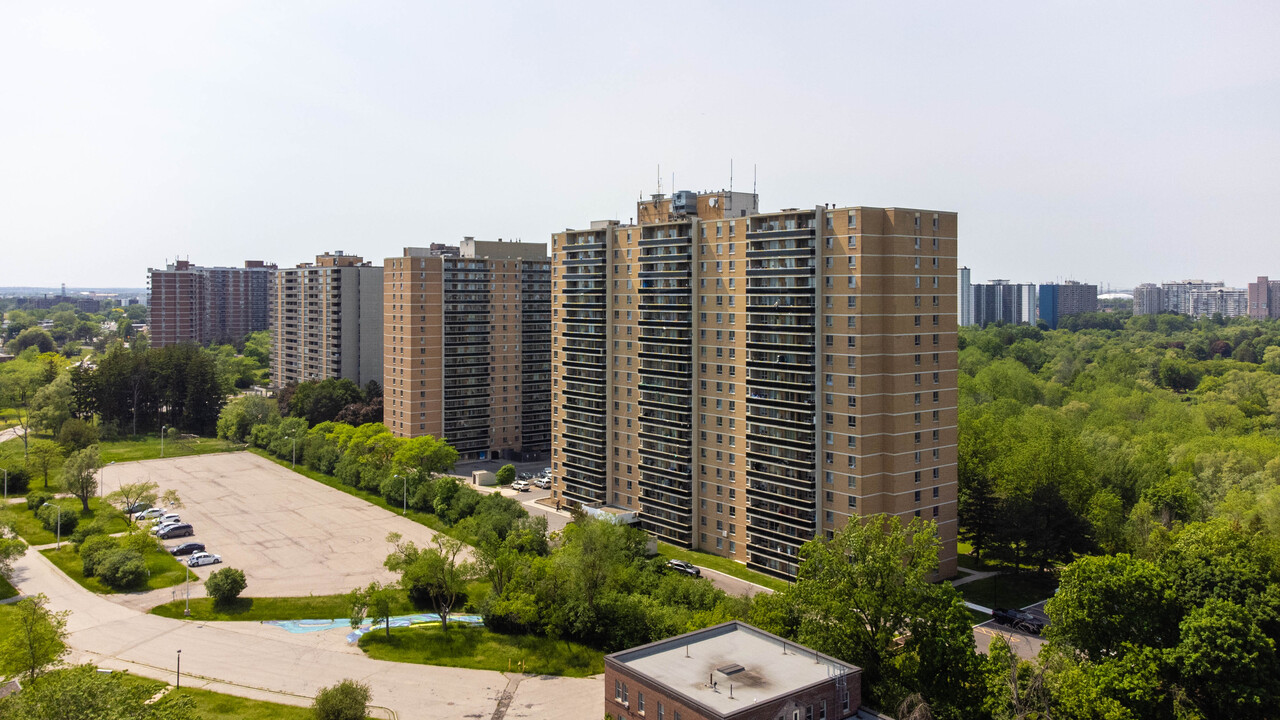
[59, 523]
[163, 428]
[404, 496]
[178, 684]
[187, 612]
[294, 464]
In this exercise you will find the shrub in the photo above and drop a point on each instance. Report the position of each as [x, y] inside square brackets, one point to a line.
[36, 499]
[51, 518]
[140, 541]
[84, 532]
[348, 700]
[122, 569]
[225, 586]
[109, 431]
[19, 480]
[92, 550]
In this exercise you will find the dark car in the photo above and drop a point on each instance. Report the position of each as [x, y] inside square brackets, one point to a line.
[1018, 620]
[176, 531]
[684, 567]
[137, 508]
[187, 548]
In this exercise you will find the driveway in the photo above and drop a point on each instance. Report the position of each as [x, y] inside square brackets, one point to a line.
[246, 659]
[1026, 645]
[289, 534]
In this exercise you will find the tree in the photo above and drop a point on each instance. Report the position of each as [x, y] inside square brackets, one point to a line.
[506, 474]
[11, 546]
[867, 596]
[133, 494]
[1227, 663]
[240, 415]
[1103, 603]
[36, 638]
[36, 337]
[978, 506]
[51, 405]
[80, 474]
[85, 692]
[44, 455]
[225, 585]
[19, 381]
[76, 434]
[373, 603]
[434, 575]
[348, 700]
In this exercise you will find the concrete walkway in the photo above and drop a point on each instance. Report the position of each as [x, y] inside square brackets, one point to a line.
[256, 661]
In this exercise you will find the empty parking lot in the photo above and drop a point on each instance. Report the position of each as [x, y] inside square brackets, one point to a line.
[289, 534]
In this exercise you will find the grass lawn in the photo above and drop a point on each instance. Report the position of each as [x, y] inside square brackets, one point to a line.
[218, 706]
[722, 564]
[8, 621]
[1009, 591]
[147, 447]
[482, 649]
[421, 518]
[31, 530]
[7, 590]
[165, 571]
[315, 607]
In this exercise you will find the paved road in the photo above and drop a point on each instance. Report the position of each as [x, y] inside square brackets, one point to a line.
[1026, 645]
[256, 661]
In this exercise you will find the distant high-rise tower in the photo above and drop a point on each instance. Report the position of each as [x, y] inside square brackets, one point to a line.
[742, 382]
[468, 347]
[1148, 299]
[326, 321]
[1264, 299]
[1069, 298]
[190, 303]
[965, 299]
[1002, 301]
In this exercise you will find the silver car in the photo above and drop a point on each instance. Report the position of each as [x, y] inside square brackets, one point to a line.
[203, 558]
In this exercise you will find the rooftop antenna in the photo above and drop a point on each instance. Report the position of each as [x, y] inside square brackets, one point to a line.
[753, 179]
[659, 179]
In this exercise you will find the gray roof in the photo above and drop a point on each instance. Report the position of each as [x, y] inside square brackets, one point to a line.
[704, 666]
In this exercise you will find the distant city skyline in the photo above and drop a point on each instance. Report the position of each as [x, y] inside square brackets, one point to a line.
[1139, 149]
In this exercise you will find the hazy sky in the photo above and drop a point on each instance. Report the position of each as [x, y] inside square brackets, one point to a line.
[1107, 142]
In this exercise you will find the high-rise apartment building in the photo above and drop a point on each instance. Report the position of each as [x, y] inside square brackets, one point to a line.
[1224, 301]
[1177, 295]
[190, 303]
[1002, 301]
[1069, 298]
[965, 299]
[1264, 299]
[468, 347]
[326, 321]
[742, 382]
[1148, 299]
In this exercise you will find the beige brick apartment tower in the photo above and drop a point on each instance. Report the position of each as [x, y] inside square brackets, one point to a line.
[468, 347]
[742, 382]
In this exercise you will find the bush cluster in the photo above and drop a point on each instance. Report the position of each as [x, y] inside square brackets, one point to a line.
[120, 563]
[51, 517]
[19, 480]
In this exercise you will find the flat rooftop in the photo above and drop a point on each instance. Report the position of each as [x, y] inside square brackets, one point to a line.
[760, 666]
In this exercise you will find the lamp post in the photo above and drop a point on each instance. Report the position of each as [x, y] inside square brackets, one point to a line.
[404, 495]
[187, 612]
[163, 429]
[178, 684]
[293, 465]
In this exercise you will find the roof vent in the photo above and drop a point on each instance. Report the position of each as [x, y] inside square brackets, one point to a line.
[730, 670]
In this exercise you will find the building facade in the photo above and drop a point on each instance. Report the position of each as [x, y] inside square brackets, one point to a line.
[468, 347]
[1069, 298]
[190, 303]
[1224, 301]
[732, 670]
[1002, 301]
[748, 381]
[326, 321]
[1148, 299]
[965, 299]
[1264, 299]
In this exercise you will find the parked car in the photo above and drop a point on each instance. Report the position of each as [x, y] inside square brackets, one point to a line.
[161, 527]
[684, 567]
[203, 558]
[1018, 620]
[520, 485]
[546, 471]
[542, 482]
[526, 476]
[186, 548]
[168, 519]
[137, 508]
[176, 531]
[149, 514]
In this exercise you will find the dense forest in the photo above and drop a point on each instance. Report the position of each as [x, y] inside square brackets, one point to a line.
[1143, 454]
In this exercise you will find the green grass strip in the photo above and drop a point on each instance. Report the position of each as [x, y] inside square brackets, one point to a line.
[483, 649]
[165, 570]
[721, 564]
[313, 607]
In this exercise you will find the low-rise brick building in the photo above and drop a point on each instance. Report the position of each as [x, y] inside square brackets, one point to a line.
[731, 671]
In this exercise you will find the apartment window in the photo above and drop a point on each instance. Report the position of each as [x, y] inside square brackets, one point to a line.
[640, 701]
[853, 502]
[935, 493]
[917, 476]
